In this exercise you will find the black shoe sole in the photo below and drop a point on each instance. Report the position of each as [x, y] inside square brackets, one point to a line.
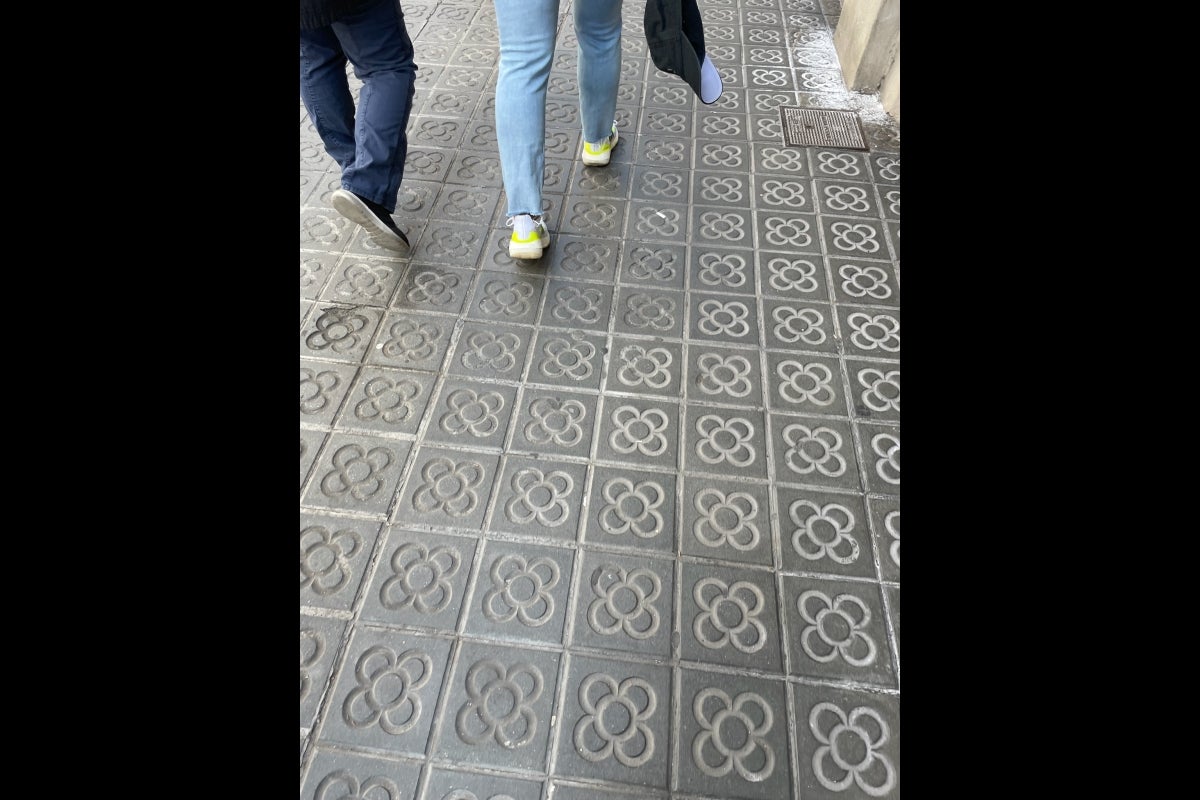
[349, 206]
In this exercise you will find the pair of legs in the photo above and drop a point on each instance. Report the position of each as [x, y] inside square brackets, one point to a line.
[527, 32]
[369, 145]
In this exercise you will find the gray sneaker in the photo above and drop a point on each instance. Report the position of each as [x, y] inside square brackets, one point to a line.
[371, 216]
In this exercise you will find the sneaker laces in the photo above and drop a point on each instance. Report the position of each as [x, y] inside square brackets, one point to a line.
[523, 224]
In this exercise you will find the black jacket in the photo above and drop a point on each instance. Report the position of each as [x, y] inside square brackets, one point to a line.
[319, 13]
[675, 36]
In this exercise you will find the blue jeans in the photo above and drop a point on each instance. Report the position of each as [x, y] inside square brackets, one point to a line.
[370, 147]
[527, 31]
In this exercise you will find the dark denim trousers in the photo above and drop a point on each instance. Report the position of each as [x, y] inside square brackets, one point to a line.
[370, 146]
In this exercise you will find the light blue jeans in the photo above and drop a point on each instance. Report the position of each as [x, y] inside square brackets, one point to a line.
[527, 32]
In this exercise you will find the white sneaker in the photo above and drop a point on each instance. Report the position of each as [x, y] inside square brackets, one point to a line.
[599, 153]
[529, 237]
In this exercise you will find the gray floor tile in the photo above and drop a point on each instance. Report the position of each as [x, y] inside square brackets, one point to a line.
[733, 740]
[447, 488]
[320, 639]
[387, 693]
[824, 532]
[837, 630]
[334, 773]
[420, 581]
[827, 721]
[357, 473]
[498, 707]
[614, 722]
[885, 519]
[624, 602]
[708, 350]
[632, 509]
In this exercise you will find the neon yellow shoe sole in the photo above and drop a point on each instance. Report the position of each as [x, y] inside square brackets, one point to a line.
[600, 155]
[529, 247]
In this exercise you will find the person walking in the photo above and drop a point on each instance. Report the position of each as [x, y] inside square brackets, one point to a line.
[527, 31]
[369, 143]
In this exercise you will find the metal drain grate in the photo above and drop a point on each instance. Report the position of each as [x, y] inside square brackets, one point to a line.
[822, 127]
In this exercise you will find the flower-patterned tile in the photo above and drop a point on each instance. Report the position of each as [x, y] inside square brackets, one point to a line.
[361, 243]
[447, 488]
[842, 165]
[387, 401]
[729, 617]
[537, 497]
[573, 359]
[722, 319]
[480, 136]
[434, 288]
[889, 201]
[717, 126]
[310, 445]
[611, 181]
[861, 282]
[498, 707]
[577, 306]
[875, 389]
[719, 227]
[885, 169]
[632, 509]
[500, 297]
[520, 592]
[885, 518]
[791, 325]
[667, 121]
[553, 422]
[723, 156]
[814, 451]
[723, 375]
[721, 270]
[598, 217]
[787, 231]
[315, 269]
[563, 144]
[854, 237]
[845, 198]
[341, 333]
[450, 243]
[363, 281]
[663, 152]
[779, 193]
[881, 457]
[892, 595]
[430, 131]
[827, 720]
[387, 692]
[323, 387]
[614, 722]
[837, 630]
[644, 367]
[624, 602]
[412, 341]
[726, 520]
[357, 473]
[649, 312]
[336, 773]
[733, 739]
[415, 201]
[445, 784]
[474, 169]
[779, 161]
[653, 264]
[805, 384]
[334, 555]
[659, 184]
[468, 413]
[420, 580]
[725, 442]
[577, 258]
[824, 532]
[636, 431]
[792, 277]
[320, 638]
[490, 351]
[428, 164]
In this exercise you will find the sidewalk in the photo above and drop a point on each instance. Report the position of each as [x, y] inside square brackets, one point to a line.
[623, 522]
